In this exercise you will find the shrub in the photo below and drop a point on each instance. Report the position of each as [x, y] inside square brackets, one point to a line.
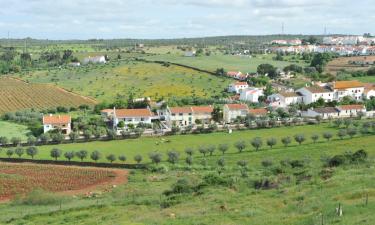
[257, 143]
[69, 155]
[299, 138]
[286, 141]
[182, 186]
[271, 142]
[173, 157]
[40, 197]
[189, 151]
[111, 158]
[267, 163]
[122, 158]
[341, 134]
[32, 151]
[155, 157]
[240, 145]
[315, 138]
[95, 155]
[138, 159]
[327, 135]
[55, 153]
[223, 148]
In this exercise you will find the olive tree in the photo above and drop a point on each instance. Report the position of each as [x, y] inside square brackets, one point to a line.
[32, 151]
[341, 133]
[173, 156]
[223, 148]
[95, 155]
[271, 142]
[138, 158]
[82, 154]
[69, 155]
[122, 158]
[327, 135]
[155, 157]
[257, 143]
[300, 138]
[189, 151]
[9, 153]
[240, 145]
[286, 141]
[314, 138]
[55, 153]
[111, 158]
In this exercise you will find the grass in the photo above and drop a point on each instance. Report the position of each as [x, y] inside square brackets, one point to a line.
[368, 79]
[228, 62]
[10, 130]
[117, 79]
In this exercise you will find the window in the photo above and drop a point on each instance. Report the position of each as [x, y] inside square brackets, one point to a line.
[180, 114]
[173, 114]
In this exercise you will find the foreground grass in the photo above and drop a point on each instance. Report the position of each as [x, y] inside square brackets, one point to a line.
[139, 202]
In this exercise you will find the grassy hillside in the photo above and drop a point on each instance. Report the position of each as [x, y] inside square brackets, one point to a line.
[118, 79]
[10, 130]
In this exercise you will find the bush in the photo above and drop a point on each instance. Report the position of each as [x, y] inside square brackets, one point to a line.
[40, 197]
[180, 187]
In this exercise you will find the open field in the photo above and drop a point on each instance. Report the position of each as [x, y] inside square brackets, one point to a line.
[17, 95]
[119, 79]
[10, 130]
[145, 145]
[342, 63]
[228, 62]
[20, 179]
[307, 201]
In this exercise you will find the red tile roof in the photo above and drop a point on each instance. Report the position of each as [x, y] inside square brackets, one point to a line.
[241, 84]
[181, 110]
[237, 107]
[57, 119]
[351, 107]
[202, 109]
[121, 113]
[261, 111]
[107, 111]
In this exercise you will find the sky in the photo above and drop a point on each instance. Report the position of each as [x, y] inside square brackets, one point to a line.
[150, 19]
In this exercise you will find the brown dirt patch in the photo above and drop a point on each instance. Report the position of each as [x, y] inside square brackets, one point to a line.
[343, 63]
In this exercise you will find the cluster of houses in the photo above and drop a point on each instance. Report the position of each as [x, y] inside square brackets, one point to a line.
[348, 40]
[287, 42]
[90, 60]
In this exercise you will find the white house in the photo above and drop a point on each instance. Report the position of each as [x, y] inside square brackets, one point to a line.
[251, 94]
[202, 114]
[369, 91]
[351, 110]
[284, 99]
[60, 122]
[353, 89]
[237, 87]
[233, 111]
[95, 60]
[131, 116]
[314, 93]
[324, 113]
[179, 116]
[190, 54]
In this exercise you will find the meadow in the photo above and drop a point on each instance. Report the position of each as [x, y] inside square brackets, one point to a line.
[307, 198]
[10, 130]
[117, 80]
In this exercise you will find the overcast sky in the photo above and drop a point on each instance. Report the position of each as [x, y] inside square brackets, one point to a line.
[83, 19]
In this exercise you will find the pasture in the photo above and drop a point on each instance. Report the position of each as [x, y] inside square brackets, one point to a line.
[118, 79]
[16, 95]
[10, 130]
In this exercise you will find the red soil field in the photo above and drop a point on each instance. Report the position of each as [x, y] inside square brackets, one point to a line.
[18, 179]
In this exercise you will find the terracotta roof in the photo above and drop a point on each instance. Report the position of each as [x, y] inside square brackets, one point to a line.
[347, 84]
[261, 111]
[289, 94]
[202, 109]
[107, 111]
[240, 83]
[121, 113]
[317, 89]
[181, 110]
[233, 73]
[237, 107]
[351, 107]
[57, 119]
[326, 110]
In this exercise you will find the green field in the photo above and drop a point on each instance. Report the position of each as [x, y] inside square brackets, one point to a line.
[368, 79]
[10, 130]
[228, 62]
[141, 201]
[119, 79]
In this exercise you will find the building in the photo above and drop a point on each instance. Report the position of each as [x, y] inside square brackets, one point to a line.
[369, 91]
[190, 54]
[324, 113]
[314, 93]
[284, 99]
[351, 110]
[353, 89]
[57, 122]
[132, 117]
[258, 112]
[75, 64]
[179, 116]
[234, 111]
[251, 94]
[203, 114]
[237, 87]
[95, 60]
[237, 75]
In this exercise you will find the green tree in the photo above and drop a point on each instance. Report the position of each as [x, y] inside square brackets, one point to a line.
[286, 141]
[138, 158]
[271, 142]
[69, 155]
[55, 153]
[9, 153]
[315, 138]
[32, 151]
[15, 141]
[240, 145]
[95, 155]
[341, 134]
[173, 157]
[223, 148]
[268, 69]
[300, 138]
[189, 151]
[155, 157]
[19, 151]
[257, 143]
[111, 158]
[122, 158]
[82, 154]
[327, 135]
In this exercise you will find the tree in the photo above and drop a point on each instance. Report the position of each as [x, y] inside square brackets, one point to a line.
[223, 148]
[15, 141]
[315, 138]
[57, 137]
[32, 151]
[4, 141]
[211, 149]
[138, 158]
[299, 138]
[173, 156]
[240, 145]
[189, 160]
[320, 60]
[69, 155]
[87, 134]
[82, 154]
[242, 163]
[95, 155]
[45, 138]
[338, 123]
[9, 153]
[203, 150]
[271, 142]
[327, 135]
[341, 134]
[155, 157]
[31, 140]
[268, 69]
[74, 136]
[55, 153]
[111, 158]
[348, 122]
[19, 151]
[221, 162]
[286, 141]
[189, 151]
[122, 158]
[257, 143]
[351, 132]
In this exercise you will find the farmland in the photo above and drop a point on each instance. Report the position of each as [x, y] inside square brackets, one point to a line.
[16, 179]
[17, 95]
[342, 63]
[10, 130]
[118, 79]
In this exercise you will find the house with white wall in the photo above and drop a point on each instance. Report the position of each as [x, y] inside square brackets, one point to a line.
[179, 116]
[251, 94]
[132, 117]
[284, 99]
[324, 113]
[258, 112]
[233, 111]
[202, 114]
[369, 91]
[353, 89]
[238, 87]
[57, 122]
[314, 93]
[95, 60]
[351, 110]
